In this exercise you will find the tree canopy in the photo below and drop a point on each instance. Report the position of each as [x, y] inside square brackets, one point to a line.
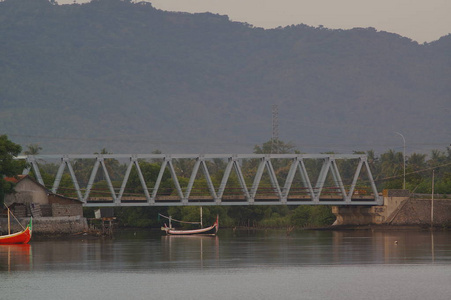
[8, 166]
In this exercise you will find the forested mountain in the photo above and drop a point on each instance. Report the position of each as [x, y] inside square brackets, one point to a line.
[131, 78]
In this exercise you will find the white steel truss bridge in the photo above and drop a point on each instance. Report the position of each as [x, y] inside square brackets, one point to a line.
[208, 179]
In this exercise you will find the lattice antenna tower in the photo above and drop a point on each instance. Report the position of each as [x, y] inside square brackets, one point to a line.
[275, 129]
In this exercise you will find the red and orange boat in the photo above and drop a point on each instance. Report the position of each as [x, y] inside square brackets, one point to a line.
[22, 237]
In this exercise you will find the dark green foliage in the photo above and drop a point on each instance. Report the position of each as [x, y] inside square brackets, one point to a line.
[321, 216]
[8, 166]
[275, 146]
[138, 216]
[282, 216]
[150, 173]
[247, 215]
[315, 216]
[33, 149]
[301, 215]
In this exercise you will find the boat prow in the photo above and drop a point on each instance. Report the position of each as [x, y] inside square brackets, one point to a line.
[22, 237]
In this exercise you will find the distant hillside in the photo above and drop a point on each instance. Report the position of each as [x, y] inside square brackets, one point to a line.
[131, 78]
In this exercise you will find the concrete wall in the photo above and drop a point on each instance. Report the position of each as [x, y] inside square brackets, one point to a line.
[60, 210]
[54, 198]
[399, 209]
[49, 225]
[352, 215]
[418, 212]
[28, 191]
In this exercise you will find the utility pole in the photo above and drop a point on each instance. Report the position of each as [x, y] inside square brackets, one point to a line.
[432, 200]
[275, 129]
[404, 160]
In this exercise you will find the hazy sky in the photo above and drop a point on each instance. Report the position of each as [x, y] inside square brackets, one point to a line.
[420, 20]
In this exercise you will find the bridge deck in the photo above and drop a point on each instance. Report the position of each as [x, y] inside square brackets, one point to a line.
[230, 200]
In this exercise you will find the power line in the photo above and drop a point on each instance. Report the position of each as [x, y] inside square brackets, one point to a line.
[414, 172]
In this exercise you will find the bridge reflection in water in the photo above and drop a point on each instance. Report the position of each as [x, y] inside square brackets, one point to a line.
[215, 179]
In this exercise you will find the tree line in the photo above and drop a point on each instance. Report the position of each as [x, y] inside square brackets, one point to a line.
[387, 170]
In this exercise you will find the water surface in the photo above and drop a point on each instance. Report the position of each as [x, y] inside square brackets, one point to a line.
[233, 265]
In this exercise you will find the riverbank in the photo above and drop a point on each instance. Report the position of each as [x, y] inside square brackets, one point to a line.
[80, 228]
[48, 225]
[382, 227]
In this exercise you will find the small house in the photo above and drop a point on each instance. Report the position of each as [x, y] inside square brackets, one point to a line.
[33, 199]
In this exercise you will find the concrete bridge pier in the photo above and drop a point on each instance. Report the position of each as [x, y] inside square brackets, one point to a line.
[352, 215]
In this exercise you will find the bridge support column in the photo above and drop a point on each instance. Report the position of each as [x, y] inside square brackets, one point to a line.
[366, 215]
[352, 215]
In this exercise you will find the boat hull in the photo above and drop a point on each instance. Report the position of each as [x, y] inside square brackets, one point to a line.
[212, 230]
[22, 237]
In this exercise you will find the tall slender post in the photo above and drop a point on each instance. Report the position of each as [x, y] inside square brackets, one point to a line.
[9, 223]
[275, 129]
[432, 200]
[404, 160]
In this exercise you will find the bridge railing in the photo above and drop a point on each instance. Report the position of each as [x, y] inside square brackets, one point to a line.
[212, 179]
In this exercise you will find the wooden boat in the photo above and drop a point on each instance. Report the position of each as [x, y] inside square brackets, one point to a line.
[212, 230]
[22, 237]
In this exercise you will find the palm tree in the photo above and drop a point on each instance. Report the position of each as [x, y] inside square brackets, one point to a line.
[33, 149]
[416, 162]
[392, 166]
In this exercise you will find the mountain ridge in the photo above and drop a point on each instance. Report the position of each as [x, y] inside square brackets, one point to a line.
[130, 78]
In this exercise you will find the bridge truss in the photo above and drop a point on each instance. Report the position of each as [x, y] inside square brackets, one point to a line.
[256, 180]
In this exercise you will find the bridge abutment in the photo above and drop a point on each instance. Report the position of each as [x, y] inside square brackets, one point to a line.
[400, 208]
[365, 215]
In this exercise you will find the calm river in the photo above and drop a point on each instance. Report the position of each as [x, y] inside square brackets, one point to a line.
[361, 264]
